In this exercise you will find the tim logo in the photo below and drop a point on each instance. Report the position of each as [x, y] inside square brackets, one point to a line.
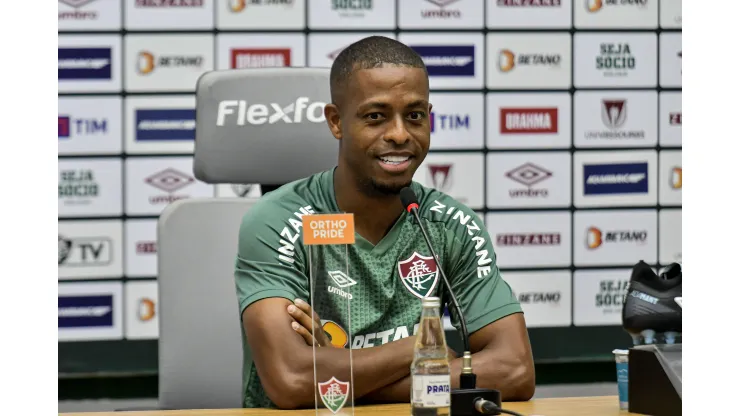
[63, 127]
[613, 113]
[419, 274]
[85, 251]
[448, 60]
[69, 127]
[449, 121]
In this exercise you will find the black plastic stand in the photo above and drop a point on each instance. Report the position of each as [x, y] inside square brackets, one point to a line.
[462, 401]
[655, 380]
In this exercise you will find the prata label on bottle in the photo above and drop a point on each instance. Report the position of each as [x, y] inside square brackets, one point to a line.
[431, 390]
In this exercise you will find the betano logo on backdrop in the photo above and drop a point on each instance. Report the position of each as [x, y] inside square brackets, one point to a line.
[147, 62]
[596, 238]
[237, 6]
[508, 60]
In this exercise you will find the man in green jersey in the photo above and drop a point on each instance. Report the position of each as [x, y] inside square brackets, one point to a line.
[380, 116]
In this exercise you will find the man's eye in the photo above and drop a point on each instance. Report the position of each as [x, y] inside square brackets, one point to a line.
[374, 116]
[417, 115]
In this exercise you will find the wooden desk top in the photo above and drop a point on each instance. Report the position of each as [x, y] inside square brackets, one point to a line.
[570, 406]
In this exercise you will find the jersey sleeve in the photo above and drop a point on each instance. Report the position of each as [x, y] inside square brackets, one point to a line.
[269, 260]
[483, 295]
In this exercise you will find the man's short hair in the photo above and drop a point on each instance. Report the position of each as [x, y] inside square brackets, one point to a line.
[370, 52]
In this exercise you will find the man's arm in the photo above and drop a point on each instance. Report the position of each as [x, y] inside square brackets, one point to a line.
[502, 360]
[285, 362]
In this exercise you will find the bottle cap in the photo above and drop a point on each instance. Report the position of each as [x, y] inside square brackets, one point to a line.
[430, 302]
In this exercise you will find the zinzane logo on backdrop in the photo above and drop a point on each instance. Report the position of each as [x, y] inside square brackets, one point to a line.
[261, 113]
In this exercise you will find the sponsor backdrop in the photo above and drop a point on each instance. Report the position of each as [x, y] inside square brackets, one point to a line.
[558, 121]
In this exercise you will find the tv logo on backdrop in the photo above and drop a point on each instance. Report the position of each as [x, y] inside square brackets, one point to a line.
[240, 112]
[448, 60]
[85, 251]
[615, 178]
[70, 127]
[84, 63]
[88, 311]
[165, 124]
[260, 58]
[449, 122]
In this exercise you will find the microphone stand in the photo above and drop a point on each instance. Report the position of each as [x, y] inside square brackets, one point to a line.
[464, 401]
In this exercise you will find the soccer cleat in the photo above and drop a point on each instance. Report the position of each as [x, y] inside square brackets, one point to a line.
[651, 312]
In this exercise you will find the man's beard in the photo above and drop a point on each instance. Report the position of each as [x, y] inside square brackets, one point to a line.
[371, 187]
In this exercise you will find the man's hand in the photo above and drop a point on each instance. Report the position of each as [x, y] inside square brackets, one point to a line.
[301, 312]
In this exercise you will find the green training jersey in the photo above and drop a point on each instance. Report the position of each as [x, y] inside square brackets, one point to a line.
[385, 282]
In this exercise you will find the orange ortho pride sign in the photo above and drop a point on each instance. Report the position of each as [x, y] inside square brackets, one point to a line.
[328, 229]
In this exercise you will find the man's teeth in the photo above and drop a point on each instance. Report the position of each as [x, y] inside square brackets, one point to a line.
[394, 159]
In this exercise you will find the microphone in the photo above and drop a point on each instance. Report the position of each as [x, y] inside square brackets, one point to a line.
[464, 399]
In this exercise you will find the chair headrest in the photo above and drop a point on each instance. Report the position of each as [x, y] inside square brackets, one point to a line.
[262, 125]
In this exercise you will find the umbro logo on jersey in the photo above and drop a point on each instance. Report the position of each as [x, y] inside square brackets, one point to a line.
[419, 274]
[341, 279]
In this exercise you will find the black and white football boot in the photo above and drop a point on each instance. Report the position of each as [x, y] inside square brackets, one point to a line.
[652, 306]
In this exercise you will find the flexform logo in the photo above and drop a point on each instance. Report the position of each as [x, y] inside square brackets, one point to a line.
[69, 127]
[165, 124]
[147, 310]
[169, 3]
[237, 6]
[676, 180]
[615, 178]
[84, 63]
[674, 118]
[528, 3]
[260, 58]
[440, 175]
[148, 62]
[594, 6]
[448, 122]
[596, 238]
[258, 114]
[528, 175]
[85, 251]
[78, 14]
[85, 311]
[441, 12]
[513, 120]
[528, 239]
[508, 60]
[448, 60]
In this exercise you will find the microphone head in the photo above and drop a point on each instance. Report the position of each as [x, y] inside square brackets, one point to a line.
[408, 198]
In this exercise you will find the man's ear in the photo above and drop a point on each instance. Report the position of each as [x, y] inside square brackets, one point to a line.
[331, 113]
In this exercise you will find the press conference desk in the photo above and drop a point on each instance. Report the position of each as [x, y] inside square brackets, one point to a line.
[571, 406]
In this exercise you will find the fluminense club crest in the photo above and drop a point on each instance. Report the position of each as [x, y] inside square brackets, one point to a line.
[419, 274]
[334, 394]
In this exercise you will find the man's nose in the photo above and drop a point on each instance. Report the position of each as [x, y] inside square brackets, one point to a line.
[397, 131]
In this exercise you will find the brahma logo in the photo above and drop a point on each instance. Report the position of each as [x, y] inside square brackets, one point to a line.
[148, 62]
[146, 247]
[676, 178]
[594, 6]
[334, 394]
[448, 60]
[441, 12]
[528, 120]
[260, 58]
[508, 60]
[419, 274]
[596, 238]
[615, 178]
[260, 114]
[147, 310]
